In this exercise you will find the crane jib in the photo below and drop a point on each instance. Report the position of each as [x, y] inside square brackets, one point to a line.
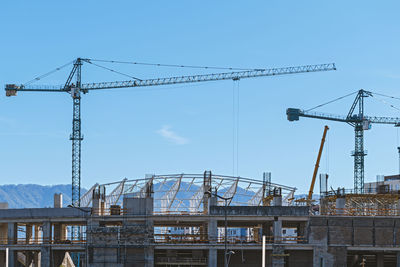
[12, 89]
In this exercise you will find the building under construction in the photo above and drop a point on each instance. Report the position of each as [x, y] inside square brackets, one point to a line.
[205, 220]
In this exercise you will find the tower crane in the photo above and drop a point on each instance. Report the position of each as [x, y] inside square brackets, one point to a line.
[359, 121]
[78, 88]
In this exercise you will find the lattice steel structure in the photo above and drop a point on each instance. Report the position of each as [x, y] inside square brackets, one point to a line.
[184, 193]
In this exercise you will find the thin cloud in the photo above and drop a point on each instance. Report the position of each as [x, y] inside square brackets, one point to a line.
[171, 136]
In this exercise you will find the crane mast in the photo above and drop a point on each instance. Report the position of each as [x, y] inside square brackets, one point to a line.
[76, 137]
[77, 89]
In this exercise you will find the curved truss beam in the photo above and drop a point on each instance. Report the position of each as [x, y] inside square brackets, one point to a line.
[287, 201]
[86, 199]
[113, 197]
[169, 197]
[257, 198]
[230, 193]
[196, 199]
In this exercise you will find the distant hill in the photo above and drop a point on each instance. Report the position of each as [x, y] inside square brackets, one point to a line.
[33, 195]
[40, 196]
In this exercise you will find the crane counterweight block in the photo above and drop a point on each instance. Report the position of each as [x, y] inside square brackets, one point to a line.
[293, 114]
[11, 89]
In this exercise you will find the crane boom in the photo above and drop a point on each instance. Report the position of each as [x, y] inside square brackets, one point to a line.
[321, 147]
[293, 114]
[236, 75]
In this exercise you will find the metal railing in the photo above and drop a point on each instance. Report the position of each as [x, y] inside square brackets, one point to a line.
[39, 241]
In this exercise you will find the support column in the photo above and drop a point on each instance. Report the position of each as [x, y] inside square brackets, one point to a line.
[45, 256]
[212, 257]
[149, 256]
[12, 240]
[45, 248]
[278, 257]
[340, 205]
[28, 233]
[277, 230]
[59, 232]
[38, 234]
[398, 259]
[36, 259]
[212, 238]
[379, 260]
[212, 232]
[321, 257]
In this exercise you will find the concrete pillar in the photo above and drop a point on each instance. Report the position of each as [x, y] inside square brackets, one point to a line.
[96, 204]
[302, 233]
[58, 200]
[3, 233]
[36, 259]
[12, 233]
[278, 258]
[37, 233]
[212, 231]
[149, 205]
[212, 257]
[149, 256]
[321, 257]
[45, 250]
[12, 258]
[28, 233]
[46, 228]
[149, 250]
[58, 232]
[212, 201]
[45, 256]
[12, 240]
[277, 231]
[277, 201]
[340, 205]
[379, 260]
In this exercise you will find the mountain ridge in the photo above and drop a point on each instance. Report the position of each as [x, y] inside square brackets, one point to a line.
[20, 196]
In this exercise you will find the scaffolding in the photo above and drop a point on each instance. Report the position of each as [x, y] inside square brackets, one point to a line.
[350, 204]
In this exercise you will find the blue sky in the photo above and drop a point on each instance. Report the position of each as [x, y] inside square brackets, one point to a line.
[189, 129]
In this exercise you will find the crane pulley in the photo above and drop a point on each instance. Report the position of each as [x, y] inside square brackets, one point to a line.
[77, 87]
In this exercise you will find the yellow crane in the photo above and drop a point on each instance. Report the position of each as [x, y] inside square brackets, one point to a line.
[321, 147]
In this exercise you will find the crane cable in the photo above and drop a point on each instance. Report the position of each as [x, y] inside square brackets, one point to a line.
[100, 66]
[339, 98]
[388, 96]
[173, 65]
[235, 128]
[48, 73]
[383, 101]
